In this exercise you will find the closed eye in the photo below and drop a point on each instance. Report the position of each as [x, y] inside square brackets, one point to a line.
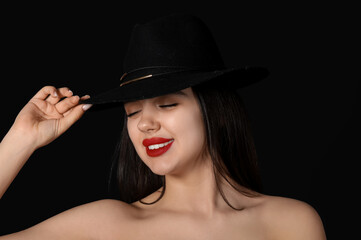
[168, 105]
[161, 106]
[132, 114]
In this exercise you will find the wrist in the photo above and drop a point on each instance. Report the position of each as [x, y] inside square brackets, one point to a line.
[15, 150]
[21, 140]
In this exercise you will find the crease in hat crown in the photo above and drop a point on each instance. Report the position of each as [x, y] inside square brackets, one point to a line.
[178, 42]
[169, 54]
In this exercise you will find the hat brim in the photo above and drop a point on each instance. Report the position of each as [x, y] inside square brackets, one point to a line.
[168, 83]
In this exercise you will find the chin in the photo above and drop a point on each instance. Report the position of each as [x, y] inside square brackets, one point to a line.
[160, 168]
[162, 165]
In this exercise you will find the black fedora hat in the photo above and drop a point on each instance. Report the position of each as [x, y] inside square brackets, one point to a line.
[170, 54]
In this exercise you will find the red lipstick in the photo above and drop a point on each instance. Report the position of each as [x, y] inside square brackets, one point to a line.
[157, 146]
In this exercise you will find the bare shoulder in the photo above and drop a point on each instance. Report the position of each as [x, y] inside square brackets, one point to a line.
[108, 206]
[287, 218]
[102, 211]
[101, 219]
[106, 210]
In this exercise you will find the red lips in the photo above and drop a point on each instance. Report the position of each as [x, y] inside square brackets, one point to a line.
[157, 146]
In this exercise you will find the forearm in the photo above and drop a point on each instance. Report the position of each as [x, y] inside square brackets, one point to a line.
[15, 150]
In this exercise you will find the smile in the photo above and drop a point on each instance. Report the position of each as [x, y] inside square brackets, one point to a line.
[157, 146]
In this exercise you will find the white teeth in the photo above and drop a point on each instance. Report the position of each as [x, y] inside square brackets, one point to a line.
[157, 146]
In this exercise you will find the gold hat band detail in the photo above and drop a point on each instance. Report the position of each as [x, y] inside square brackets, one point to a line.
[133, 80]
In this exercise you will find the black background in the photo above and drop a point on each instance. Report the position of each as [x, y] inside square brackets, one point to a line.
[304, 116]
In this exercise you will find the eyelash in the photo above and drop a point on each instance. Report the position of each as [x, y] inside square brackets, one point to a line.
[162, 106]
[168, 105]
[131, 114]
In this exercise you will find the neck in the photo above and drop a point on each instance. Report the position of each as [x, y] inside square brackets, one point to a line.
[196, 191]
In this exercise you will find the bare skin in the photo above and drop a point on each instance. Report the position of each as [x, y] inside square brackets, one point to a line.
[191, 208]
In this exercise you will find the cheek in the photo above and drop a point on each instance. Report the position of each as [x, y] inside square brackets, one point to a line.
[189, 129]
[198, 131]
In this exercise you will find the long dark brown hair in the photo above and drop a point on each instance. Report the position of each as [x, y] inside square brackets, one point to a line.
[229, 142]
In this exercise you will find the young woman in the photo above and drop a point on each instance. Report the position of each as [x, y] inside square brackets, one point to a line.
[187, 165]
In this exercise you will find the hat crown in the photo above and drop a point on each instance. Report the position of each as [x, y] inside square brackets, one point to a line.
[172, 41]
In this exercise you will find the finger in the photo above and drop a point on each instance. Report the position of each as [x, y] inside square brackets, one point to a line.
[44, 109]
[60, 93]
[66, 104]
[45, 92]
[86, 106]
[65, 92]
[85, 97]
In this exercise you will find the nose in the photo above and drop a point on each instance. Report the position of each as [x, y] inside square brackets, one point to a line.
[148, 122]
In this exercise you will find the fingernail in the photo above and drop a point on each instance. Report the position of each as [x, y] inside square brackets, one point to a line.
[87, 106]
[71, 92]
[55, 94]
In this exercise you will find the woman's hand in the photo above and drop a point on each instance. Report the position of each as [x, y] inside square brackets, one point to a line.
[44, 118]
[47, 115]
